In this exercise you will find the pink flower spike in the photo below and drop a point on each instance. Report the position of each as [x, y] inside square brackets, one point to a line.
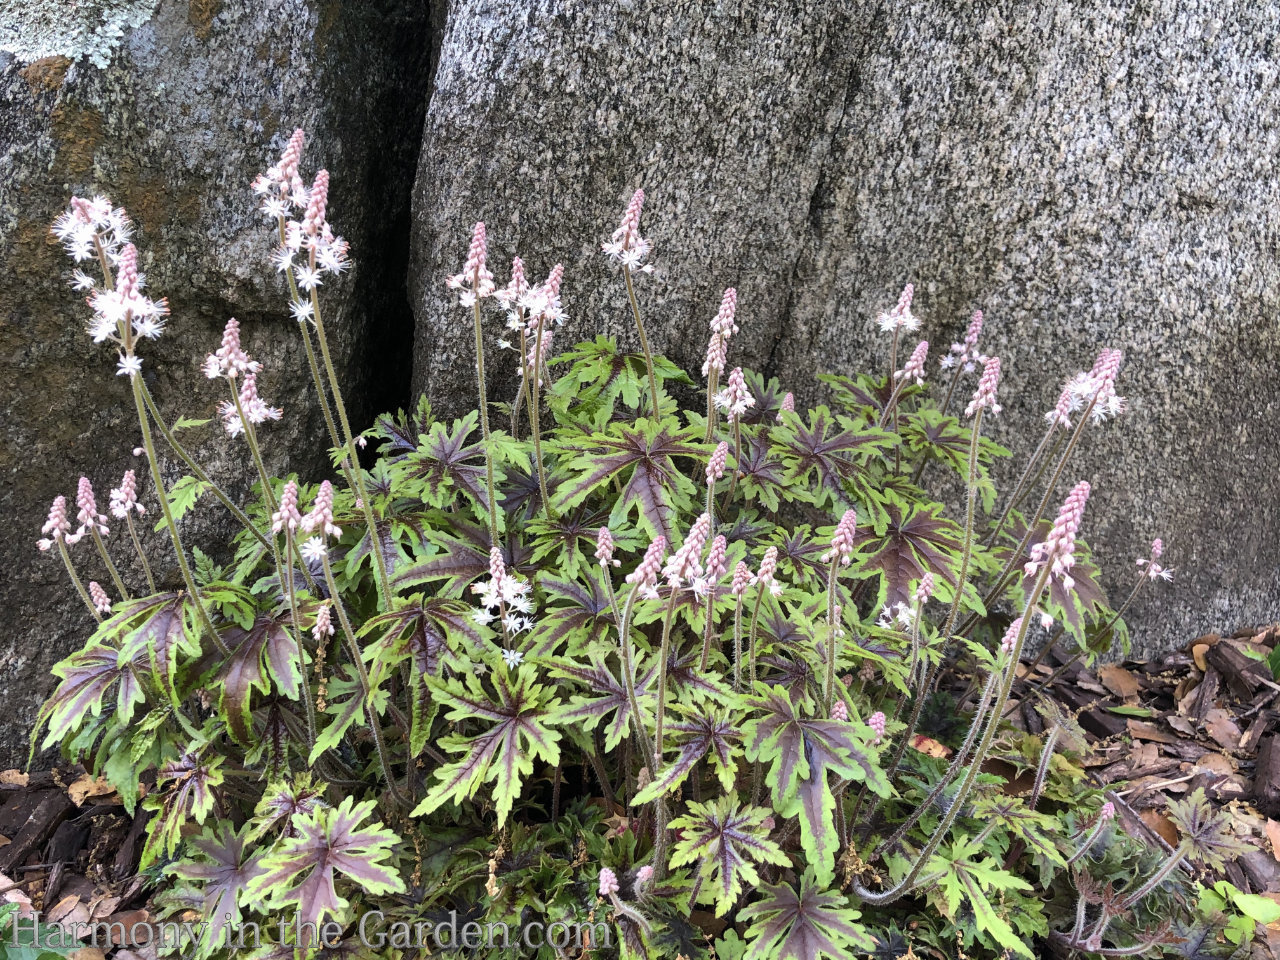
[788, 405]
[1058, 549]
[229, 360]
[101, 602]
[497, 568]
[515, 292]
[645, 576]
[321, 515]
[842, 540]
[741, 579]
[685, 564]
[925, 588]
[735, 399]
[716, 560]
[626, 246]
[604, 548]
[1010, 638]
[877, 722]
[1152, 566]
[643, 876]
[839, 711]
[287, 516]
[323, 628]
[124, 498]
[985, 396]
[716, 466]
[57, 527]
[914, 369]
[900, 317]
[88, 516]
[1107, 812]
[608, 882]
[768, 567]
[724, 323]
[475, 281]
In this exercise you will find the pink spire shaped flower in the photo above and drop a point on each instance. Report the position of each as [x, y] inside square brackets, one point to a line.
[1058, 549]
[230, 359]
[914, 368]
[101, 602]
[323, 628]
[256, 410]
[280, 187]
[608, 882]
[514, 295]
[985, 396]
[715, 570]
[1151, 567]
[716, 465]
[124, 498]
[722, 328]
[766, 575]
[1068, 403]
[877, 722]
[742, 579]
[840, 711]
[126, 304]
[645, 576]
[475, 281]
[85, 224]
[900, 317]
[788, 405]
[685, 565]
[88, 516]
[604, 548]
[1107, 812]
[542, 303]
[842, 540]
[717, 355]
[924, 590]
[626, 246]
[321, 515]
[735, 399]
[287, 516]
[1010, 638]
[966, 353]
[57, 527]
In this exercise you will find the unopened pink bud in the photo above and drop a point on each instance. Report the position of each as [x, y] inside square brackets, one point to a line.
[843, 539]
[839, 711]
[716, 466]
[608, 882]
[877, 723]
[604, 548]
[985, 396]
[101, 602]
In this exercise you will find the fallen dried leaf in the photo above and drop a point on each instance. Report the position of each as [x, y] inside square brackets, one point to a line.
[87, 788]
[1118, 680]
[87, 953]
[1141, 730]
[1273, 834]
[1161, 824]
[14, 778]
[1222, 729]
[1198, 654]
[14, 894]
[1181, 724]
[930, 747]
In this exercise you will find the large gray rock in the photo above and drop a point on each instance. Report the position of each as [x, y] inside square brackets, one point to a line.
[171, 109]
[1088, 178]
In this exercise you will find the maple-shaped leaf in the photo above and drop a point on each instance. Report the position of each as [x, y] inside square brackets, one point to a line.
[768, 396]
[1207, 834]
[160, 637]
[574, 618]
[604, 694]
[704, 731]
[968, 876]
[464, 558]
[87, 677]
[928, 433]
[800, 554]
[721, 839]
[802, 751]
[571, 539]
[915, 540]
[599, 376]
[805, 923]
[829, 455]
[515, 718]
[762, 474]
[259, 656]
[860, 396]
[281, 801]
[304, 870]
[348, 705]
[401, 432]
[444, 463]
[421, 632]
[222, 868]
[184, 792]
[642, 457]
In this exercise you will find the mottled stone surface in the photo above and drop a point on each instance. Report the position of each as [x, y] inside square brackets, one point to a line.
[194, 99]
[1089, 177]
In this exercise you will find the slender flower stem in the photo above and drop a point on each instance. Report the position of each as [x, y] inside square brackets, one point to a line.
[75, 578]
[522, 396]
[163, 496]
[365, 687]
[197, 471]
[1087, 844]
[737, 462]
[663, 654]
[349, 445]
[891, 404]
[644, 340]
[707, 629]
[994, 717]
[1016, 495]
[1157, 878]
[291, 556]
[955, 379]
[737, 646]
[110, 564]
[251, 437]
[535, 413]
[753, 633]
[970, 504]
[137, 545]
[713, 385]
[484, 427]
[829, 687]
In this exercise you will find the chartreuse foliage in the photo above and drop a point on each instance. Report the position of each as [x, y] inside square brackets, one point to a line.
[485, 738]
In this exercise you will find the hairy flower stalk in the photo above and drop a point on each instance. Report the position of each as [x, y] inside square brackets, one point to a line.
[630, 250]
[735, 400]
[683, 569]
[722, 328]
[742, 580]
[95, 524]
[319, 523]
[1105, 815]
[475, 283]
[913, 370]
[712, 576]
[124, 503]
[764, 580]
[288, 521]
[897, 320]
[715, 470]
[644, 580]
[546, 300]
[56, 530]
[839, 555]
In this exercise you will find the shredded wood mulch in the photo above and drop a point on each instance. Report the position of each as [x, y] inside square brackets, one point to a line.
[1206, 716]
